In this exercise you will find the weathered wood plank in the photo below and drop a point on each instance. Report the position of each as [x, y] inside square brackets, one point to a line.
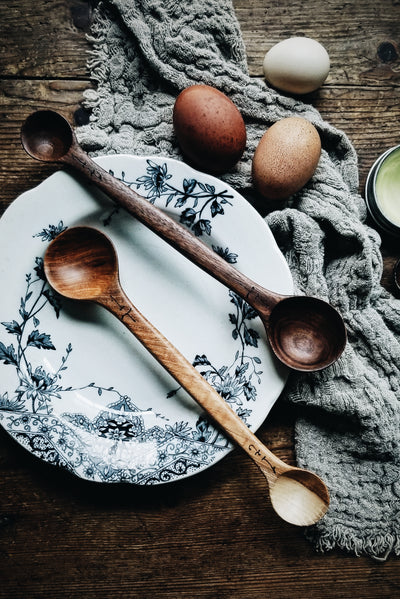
[18, 98]
[361, 37]
[367, 115]
[44, 39]
[164, 542]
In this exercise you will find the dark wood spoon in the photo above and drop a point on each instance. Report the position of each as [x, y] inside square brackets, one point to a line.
[305, 333]
[81, 263]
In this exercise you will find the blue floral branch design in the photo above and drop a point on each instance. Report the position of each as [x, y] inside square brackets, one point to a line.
[181, 447]
[204, 200]
[35, 384]
[234, 383]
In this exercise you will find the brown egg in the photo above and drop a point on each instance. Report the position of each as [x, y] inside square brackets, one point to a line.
[209, 127]
[286, 158]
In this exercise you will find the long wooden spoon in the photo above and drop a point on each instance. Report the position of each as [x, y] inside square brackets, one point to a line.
[305, 333]
[81, 263]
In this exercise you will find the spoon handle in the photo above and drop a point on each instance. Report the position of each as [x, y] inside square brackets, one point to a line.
[173, 233]
[191, 380]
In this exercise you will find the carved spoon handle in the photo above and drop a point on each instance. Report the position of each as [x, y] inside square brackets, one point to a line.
[191, 380]
[173, 233]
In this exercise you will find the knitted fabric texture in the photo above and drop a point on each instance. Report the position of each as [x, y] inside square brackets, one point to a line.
[144, 53]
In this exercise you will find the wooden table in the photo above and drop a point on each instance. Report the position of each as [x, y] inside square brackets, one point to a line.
[214, 535]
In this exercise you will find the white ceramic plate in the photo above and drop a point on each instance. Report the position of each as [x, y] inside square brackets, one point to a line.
[77, 389]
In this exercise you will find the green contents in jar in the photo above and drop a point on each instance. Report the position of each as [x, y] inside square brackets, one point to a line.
[387, 187]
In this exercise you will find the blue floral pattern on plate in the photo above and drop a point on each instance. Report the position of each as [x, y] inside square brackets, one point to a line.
[118, 439]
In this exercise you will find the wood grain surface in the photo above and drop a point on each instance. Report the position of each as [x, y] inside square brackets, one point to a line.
[214, 535]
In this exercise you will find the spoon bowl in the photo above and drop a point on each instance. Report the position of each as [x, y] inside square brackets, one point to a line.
[46, 136]
[91, 269]
[292, 494]
[81, 263]
[306, 333]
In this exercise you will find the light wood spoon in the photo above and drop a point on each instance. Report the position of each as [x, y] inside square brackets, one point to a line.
[304, 332]
[81, 263]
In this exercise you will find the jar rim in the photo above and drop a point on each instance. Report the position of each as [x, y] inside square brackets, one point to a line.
[376, 213]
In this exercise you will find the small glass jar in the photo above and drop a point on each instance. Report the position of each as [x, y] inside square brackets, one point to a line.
[382, 192]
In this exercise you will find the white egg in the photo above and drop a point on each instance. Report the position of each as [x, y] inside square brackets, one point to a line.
[297, 65]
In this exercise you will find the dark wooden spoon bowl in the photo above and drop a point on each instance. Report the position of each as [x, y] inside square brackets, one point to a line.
[81, 264]
[305, 330]
[46, 136]
[305, 333]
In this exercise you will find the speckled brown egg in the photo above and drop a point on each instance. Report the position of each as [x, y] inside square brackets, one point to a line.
[209, 128]
[286, 158]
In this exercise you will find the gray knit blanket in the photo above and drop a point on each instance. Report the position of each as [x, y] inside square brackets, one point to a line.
[347, 416]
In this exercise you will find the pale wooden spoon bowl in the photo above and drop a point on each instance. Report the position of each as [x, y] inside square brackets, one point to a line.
[81, 263]
[305, 333]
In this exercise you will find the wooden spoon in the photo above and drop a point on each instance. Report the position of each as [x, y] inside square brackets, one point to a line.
[305, 333]
[81, 263]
